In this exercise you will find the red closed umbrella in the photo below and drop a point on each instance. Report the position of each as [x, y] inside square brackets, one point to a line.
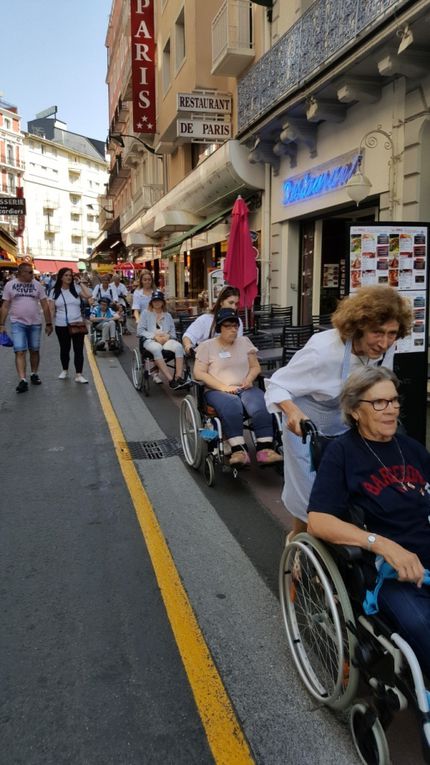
[240, 268]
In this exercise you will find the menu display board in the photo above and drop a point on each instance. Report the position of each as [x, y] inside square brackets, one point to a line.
[396, 255]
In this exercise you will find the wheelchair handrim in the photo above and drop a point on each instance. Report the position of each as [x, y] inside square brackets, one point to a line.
[190, 424]
[334, 694]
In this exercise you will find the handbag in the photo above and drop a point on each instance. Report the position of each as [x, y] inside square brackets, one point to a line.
[75, 327]
[78, 328]
[5, 340]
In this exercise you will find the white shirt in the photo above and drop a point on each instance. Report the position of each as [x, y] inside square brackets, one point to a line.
[140, 300]
[200, 329]
[315, 370]
[66, 300]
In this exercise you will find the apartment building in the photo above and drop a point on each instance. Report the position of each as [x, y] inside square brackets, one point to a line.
[338, 109]
[173, 201]
[11, 169]
[64, 177]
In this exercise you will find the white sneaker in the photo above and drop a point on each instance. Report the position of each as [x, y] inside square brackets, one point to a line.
[157, 379]
[64, 374]
[80, 379]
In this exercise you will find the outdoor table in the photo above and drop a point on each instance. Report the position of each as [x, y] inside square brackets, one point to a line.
[270, 356]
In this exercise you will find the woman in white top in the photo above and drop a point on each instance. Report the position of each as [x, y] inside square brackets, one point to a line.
[204, 327]
[65, 303]
[143, 294]
[367, 325]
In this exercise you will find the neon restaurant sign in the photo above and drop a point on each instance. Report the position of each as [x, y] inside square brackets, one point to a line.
[320, 180]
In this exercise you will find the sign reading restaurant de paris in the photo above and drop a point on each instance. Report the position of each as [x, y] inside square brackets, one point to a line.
[207, 115]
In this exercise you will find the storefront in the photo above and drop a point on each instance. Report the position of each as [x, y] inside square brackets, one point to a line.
[311, 210]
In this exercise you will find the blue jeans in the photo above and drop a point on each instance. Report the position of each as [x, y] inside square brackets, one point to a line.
[407, 609]
[231, 408]
[26, 337]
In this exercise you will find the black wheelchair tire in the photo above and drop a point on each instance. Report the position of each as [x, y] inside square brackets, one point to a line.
[209, 470]
[146, 382]
[190, 423]
[137, 370]
[369, 740]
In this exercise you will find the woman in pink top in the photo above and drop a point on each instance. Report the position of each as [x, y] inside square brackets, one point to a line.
[228, 366]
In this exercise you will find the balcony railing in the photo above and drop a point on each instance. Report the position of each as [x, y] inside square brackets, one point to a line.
[142, 201]
[232, 45]
[321, 35]
[51, 228]
[12, 162]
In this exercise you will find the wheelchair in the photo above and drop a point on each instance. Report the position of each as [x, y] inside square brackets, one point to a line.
[336, 647]
[143, 367]
[96, 338]
[202, 437]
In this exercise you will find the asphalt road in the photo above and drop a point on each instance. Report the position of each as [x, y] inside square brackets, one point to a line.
[90, 669]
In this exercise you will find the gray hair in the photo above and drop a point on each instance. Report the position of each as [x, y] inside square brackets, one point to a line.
[356, 386]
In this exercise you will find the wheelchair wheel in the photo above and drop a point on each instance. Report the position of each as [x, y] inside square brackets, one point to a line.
[146, 380]
[190, 423]
[368, 735]
[316, 611]
[93, 341]
[137, 370]
[209, 470]
[119, 347]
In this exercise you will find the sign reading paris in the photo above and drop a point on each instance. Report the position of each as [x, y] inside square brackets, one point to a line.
[12, 206]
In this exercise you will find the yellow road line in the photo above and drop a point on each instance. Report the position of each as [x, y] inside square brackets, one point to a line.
[224, 734]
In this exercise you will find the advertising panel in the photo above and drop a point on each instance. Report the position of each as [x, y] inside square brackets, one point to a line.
[143, 65]
[396, 254]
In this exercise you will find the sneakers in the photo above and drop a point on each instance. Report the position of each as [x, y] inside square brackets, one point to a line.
[22, 386]
[101, 346]
[239, 459]
[268, 457]
[112, 344]
[178, 382]
[35, 379]
[80, 379]
[157, 378]
[64, 375]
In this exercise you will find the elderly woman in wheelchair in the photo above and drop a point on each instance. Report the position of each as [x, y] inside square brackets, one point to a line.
[384, 563]
[105, 327]
[157, 333]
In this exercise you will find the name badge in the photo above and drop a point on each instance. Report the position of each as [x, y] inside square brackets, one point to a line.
[224, 355]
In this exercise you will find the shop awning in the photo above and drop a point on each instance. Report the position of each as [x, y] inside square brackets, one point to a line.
[8, 248]
[173, 248]
[54, 265]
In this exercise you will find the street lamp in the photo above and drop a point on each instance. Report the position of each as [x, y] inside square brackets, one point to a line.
[118, 139]
[359, 186]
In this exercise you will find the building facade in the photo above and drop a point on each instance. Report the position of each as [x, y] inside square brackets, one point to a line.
[343, 87]
[12, 169]
[173, 202]
[64, 177]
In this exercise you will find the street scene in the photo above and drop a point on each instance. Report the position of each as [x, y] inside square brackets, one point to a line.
[214, 405]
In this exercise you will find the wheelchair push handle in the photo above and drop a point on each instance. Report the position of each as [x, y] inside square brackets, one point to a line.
[308, 428]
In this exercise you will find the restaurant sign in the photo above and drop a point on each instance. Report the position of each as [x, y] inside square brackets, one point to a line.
[320, 180]
[202, 129]
[204, 102]
[143, 68]
[12, 206]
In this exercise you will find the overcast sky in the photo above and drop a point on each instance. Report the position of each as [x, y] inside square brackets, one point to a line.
[53, 53]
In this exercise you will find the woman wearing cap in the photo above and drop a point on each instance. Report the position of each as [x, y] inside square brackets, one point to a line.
[228, 366]
[366, 327]
[157, 331]
[204, 326]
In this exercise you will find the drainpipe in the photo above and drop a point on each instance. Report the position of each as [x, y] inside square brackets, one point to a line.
[266, 236]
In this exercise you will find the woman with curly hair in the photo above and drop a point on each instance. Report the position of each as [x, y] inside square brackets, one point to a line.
[366, 325]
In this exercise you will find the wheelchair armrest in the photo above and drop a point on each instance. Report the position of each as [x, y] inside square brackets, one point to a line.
[349, 553]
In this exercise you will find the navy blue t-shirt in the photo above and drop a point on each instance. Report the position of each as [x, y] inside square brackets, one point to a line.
[350, 474]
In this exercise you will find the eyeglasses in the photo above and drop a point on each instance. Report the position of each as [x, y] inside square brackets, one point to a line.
[379, 404]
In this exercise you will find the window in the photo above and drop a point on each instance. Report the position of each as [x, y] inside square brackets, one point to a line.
[11, 182]
[166, 67]
[180, 39]
[76, 239]
[9, 153]
[74, 216]
[7, 123]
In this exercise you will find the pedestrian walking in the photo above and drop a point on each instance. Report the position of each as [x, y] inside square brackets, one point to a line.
[22, 298]
[65, 302]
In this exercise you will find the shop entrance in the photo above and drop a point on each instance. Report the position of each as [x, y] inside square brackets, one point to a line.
[334, 259]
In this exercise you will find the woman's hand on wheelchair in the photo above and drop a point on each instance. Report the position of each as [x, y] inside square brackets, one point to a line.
[294, 417]
[407, 564]
[233, 389]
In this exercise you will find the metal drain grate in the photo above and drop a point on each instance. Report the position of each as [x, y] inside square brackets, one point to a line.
[154, 450]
